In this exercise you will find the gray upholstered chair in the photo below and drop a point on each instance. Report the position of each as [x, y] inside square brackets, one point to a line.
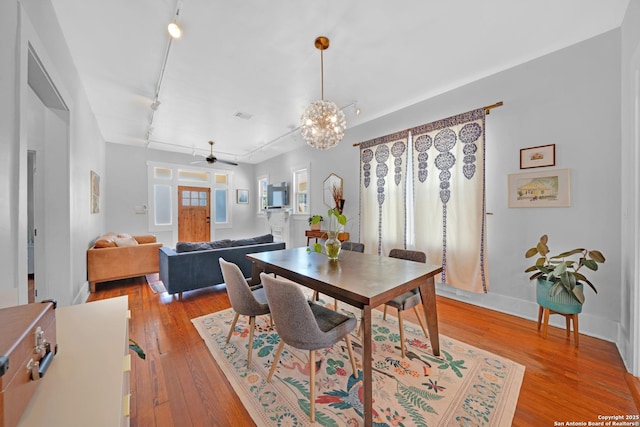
[305, 325]
[347, 246]
[408, 300]
[245, 300]
[352, 246]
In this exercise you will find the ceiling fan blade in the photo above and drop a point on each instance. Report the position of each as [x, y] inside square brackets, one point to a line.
[227, 162]
[197, 162]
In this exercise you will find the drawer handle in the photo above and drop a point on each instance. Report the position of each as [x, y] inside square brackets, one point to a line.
[38, 369]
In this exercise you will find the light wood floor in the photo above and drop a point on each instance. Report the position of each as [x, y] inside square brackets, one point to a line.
[179, 384]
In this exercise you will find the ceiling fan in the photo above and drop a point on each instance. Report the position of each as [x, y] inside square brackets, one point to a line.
[211, 159]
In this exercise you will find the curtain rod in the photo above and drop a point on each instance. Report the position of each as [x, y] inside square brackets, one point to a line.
[487, 109]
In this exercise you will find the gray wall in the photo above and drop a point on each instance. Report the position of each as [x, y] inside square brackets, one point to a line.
[629, 335]
[126, 187]
[574, 98]
[33, 24]
[565, 98]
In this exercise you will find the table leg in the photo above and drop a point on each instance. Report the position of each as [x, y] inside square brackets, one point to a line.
[367, 366]
[255, 274]
[428, 293]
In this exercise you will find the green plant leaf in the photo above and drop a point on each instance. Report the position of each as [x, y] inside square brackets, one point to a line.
[596, 256]
[542, 248]
[317, 247]
[531, 252]
[569, 253]
[134, 346]
[578, 294]
[590, 264]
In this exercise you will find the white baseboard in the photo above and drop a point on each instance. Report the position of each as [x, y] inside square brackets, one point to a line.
[589, 324]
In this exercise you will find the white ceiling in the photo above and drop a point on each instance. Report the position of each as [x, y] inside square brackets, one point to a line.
[258, 58]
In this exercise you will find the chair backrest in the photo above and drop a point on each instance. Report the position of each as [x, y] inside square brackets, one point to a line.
[352, 246]
[291, 313]
[238, 289]
[416, 256]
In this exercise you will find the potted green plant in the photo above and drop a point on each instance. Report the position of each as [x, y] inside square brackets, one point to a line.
[560, 278]
[315, 222]
[332, 245]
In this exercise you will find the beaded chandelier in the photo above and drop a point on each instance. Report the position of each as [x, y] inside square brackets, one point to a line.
[322, 124]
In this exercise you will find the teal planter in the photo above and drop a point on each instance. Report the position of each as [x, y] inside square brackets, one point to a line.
[561, 303]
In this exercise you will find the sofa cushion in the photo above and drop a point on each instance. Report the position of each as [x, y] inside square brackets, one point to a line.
[202, 246]
[218, 244]
[266, 238]
[103, 242]
[146, 238]
[125, 240]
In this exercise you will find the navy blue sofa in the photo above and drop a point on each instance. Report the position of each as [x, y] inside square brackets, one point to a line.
[194, 265]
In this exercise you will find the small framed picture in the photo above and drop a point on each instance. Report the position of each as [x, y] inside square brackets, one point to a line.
[242, 196]
[538, 157]
[544, 189]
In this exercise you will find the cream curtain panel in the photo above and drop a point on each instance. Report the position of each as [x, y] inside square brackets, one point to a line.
[440, 208]
[449, 205]
[382, 192]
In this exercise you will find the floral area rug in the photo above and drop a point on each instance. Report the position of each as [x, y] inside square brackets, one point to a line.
[465, 386]
[155, 283]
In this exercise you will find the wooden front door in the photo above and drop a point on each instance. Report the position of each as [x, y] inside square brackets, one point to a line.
[194, 214]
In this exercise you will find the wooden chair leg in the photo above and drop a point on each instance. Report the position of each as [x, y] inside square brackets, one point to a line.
[276, 358]
[233, 326]
[384, 315]
[314, 297]
[424, 327]
[353, 360]
[252, 326]
[312, 385]
[401, 327]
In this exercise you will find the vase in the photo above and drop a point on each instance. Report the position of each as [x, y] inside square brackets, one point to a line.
[560, 303]
[332, 245]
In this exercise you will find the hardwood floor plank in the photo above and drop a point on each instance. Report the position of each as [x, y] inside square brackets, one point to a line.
[180, 383]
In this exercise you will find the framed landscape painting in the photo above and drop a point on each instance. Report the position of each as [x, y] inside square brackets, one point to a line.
[537, 157]
[546, 189]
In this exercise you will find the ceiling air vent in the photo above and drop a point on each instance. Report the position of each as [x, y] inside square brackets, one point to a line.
[241, 115]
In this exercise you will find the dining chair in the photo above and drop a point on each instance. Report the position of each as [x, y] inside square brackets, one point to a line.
[347, 246]
[407, 300]
[306, 326]
[246, 300]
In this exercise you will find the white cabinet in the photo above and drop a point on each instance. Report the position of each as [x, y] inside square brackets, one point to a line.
[87, 383]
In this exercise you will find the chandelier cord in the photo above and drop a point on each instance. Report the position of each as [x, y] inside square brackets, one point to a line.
[322, 75]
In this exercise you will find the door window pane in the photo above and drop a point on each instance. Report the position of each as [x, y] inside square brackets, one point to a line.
[162, 204]
[221, 205]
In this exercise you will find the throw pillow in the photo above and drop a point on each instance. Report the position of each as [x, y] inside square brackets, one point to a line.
[146, 238]
[266, 238]
[105, 243]
[192, 246]
[125, 240]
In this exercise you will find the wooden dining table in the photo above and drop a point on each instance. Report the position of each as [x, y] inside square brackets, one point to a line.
[363, 281]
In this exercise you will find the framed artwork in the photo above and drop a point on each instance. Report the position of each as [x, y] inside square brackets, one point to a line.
[242, 196]
[95, 192]
[548, 189]
[538, 157]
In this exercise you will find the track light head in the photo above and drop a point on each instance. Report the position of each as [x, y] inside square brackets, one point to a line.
[174, 30]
